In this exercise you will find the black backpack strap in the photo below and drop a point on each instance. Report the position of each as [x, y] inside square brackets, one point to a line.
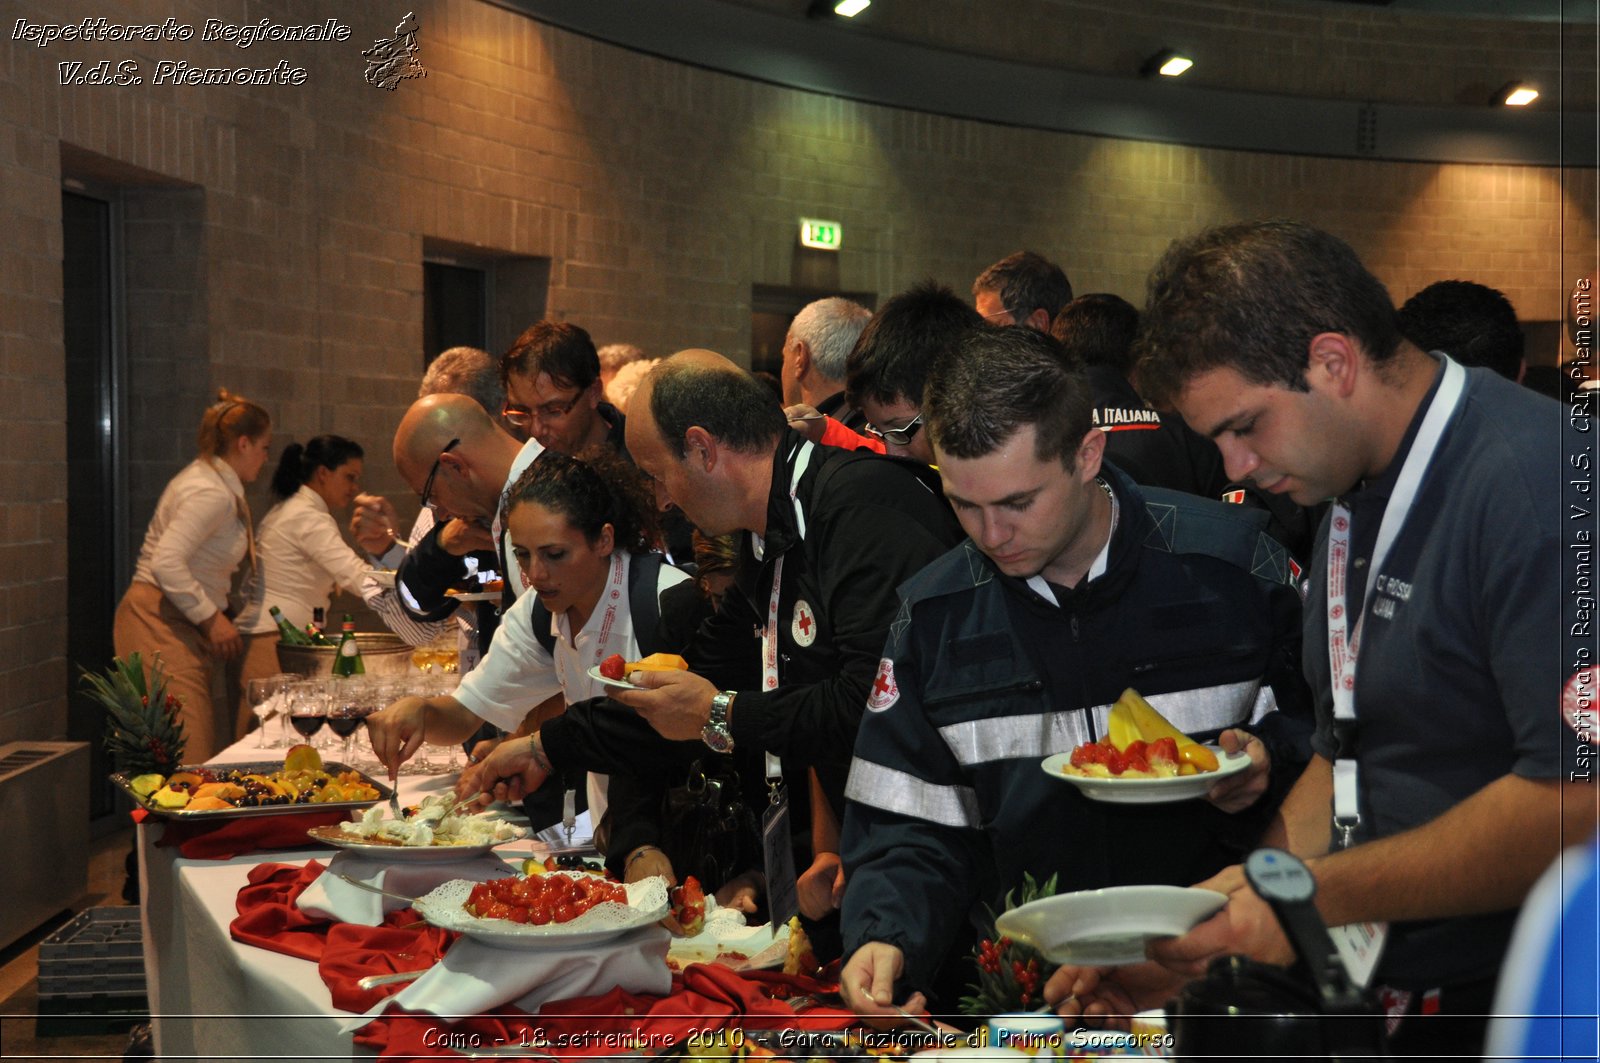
[644, 602]
[541, 627]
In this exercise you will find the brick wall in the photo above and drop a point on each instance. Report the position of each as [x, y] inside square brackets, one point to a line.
[275, 234]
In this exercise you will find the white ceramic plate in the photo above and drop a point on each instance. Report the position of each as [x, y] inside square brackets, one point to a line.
[477, 596]
[1148, 791]
[402, 854]
[594, 673]
[384, 577]
[1104, 928]
[647, 903]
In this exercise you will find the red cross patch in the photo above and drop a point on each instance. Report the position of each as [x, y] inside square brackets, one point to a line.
[883, 693]
[1577, 703]
[803, 628]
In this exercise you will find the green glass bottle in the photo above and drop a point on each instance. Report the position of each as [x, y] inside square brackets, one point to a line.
[347, 661]
[287, 632]
[314, 629]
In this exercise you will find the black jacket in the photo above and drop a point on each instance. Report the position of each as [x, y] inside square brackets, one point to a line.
[948, 804]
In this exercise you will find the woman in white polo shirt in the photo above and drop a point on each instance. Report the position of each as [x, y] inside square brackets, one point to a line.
[177, 605]
[303, 556]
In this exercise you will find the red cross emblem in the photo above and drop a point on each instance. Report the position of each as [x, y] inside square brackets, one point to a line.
[803, 629]
[884, 692]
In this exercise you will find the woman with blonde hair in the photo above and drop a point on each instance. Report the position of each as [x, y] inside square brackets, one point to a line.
[177, 606]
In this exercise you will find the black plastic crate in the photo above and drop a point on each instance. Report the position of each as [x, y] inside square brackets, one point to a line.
[99, 953]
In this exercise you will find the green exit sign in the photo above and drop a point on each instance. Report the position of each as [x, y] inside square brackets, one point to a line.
[821, 234]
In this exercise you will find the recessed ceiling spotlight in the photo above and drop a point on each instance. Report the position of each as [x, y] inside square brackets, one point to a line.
[851, 8]
[1517, 94]
[1167, 63]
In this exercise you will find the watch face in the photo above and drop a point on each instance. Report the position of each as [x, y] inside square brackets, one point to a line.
[719, 740]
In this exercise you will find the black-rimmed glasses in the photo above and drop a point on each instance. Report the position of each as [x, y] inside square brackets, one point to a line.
[427, 485]
[902, 435]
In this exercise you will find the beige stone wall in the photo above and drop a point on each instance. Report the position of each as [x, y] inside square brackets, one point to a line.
[276, 234]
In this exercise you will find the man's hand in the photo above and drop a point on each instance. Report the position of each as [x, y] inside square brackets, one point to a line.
[1109, 996]
[867, 984]
[741, 893]
[517, 767]
[372, 524]
[677, 704]
[462, 537]
[1244, 927]
[821, 886]
[806, 420]
[1238, 792]
[396, 732]
[647, 862]
[223, 637]
[483, 749]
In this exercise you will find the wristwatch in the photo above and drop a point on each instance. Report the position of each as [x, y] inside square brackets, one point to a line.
[715, 733]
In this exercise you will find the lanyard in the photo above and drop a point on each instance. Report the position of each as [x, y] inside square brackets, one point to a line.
[1343, 638]
[613, 596]
[769, 633]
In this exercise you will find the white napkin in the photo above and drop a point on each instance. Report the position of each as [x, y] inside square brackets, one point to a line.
[332, 898]
[474, 977]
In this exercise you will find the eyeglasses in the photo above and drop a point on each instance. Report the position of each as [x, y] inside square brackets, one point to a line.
[523, 416]
[426, 494]
[1001, 317]
[898, 436]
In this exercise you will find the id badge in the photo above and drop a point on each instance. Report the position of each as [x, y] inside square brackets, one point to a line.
[783, 898]
[1360, 946]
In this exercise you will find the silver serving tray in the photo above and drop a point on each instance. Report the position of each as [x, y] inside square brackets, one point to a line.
[264, 767]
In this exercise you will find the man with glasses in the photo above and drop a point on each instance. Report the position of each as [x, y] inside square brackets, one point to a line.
[554, 392]
[885, 371]
[1023, 288]
[459, 461]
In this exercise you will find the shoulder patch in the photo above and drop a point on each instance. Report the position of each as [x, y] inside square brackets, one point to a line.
[884, 693]
[1577, 703]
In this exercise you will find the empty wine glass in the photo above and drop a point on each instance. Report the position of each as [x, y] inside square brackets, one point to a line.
[266, 697]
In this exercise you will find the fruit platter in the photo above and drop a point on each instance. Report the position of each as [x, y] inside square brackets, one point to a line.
[300, 782]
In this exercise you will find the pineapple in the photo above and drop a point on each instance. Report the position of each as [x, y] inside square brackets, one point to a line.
[143, 734]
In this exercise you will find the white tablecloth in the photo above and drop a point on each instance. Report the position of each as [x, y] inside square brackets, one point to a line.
[212, 998]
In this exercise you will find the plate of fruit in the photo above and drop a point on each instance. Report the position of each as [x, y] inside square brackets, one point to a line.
[301, 782]
[614, 670]
[551, 909]
[1143, 760]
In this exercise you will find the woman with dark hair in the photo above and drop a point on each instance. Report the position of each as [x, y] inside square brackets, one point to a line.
[583, 533]
[177, 606]
[302, 557]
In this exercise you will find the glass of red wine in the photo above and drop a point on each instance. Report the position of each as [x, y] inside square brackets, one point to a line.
[350, 706]
[308, 707]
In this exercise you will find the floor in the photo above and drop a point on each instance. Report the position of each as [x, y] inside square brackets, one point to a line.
[19, 975]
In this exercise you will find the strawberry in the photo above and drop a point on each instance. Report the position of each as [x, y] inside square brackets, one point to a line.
[689, 905]
[1164, 749]
[612, 667]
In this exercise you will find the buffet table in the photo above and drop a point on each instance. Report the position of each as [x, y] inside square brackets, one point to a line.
[212, 997]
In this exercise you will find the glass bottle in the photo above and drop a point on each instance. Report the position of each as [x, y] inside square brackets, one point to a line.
[287, 632]
[347, 661]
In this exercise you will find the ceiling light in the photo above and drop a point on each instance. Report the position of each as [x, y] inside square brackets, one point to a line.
[851, 8]
[1167, 63]
[1517, 94]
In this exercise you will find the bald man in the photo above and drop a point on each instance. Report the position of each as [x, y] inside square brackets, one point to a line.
[459, 460]
[825, 536]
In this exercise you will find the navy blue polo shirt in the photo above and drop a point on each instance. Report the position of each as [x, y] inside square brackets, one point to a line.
[1460, 672]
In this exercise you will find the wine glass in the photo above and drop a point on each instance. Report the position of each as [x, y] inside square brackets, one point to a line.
[351, 704]
[423, 658]
[308, 707]
[266, 697]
